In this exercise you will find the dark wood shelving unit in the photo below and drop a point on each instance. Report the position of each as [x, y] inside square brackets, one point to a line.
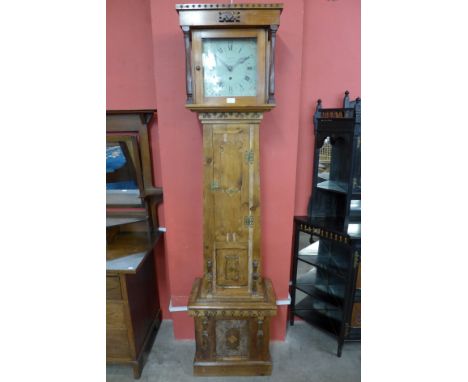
[325, 273]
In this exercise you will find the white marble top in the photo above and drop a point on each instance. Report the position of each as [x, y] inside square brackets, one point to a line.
[128, 263]
[120, 220]
[123, 197]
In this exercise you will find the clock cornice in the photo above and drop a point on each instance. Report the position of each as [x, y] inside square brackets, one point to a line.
[199, 6]
[229, 15]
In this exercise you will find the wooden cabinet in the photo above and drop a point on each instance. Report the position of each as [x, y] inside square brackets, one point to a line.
[132, 302]
[133, 314]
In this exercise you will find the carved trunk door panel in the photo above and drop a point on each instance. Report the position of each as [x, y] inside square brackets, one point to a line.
[231, 147]
[228, 229]
[231, 267]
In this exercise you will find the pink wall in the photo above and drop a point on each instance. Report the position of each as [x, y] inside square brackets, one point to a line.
[129, 51]
[181, 156]
[318, 56]
[331, 65]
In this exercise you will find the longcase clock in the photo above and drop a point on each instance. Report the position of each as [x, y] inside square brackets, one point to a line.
[230, 82]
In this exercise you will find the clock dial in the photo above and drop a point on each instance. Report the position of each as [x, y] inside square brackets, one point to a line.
[230, 67]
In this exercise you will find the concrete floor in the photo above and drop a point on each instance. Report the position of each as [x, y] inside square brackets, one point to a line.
[307, 355]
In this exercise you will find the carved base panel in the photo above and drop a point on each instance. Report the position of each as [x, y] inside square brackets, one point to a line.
[232, 338]
[226, 345]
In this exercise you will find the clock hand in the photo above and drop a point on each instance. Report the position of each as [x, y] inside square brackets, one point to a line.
[241, 60]
[228, 67]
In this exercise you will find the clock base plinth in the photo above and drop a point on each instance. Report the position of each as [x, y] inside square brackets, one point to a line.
[232, 337]
[232, 368]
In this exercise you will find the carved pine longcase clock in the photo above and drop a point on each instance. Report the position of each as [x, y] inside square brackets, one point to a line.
[230, 81]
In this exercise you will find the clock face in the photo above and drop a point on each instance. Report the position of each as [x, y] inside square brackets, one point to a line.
[230, 67]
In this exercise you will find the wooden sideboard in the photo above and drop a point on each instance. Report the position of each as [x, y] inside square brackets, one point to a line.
[132, 302]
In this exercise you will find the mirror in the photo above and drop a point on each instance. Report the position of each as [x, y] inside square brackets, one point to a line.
[357, 167]
[325, 160]
[333, 165]
[123, 171]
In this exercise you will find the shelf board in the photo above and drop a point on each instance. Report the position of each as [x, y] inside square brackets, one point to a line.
[354, 230]
[334, 186]
[319, 320]
[123, 198]
[325, 318]
[338, 187]
[333, 264]
[126, 264]
[129, 243]
[112, 221]
[331, 294]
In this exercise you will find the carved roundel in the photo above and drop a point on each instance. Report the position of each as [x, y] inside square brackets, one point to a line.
[232, 338]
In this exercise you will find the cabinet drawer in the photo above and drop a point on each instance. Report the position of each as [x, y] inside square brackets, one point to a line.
[113, 291]
[115, 314]
[117, 344]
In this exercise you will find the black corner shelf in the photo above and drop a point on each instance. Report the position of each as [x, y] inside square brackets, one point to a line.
[325, 272]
